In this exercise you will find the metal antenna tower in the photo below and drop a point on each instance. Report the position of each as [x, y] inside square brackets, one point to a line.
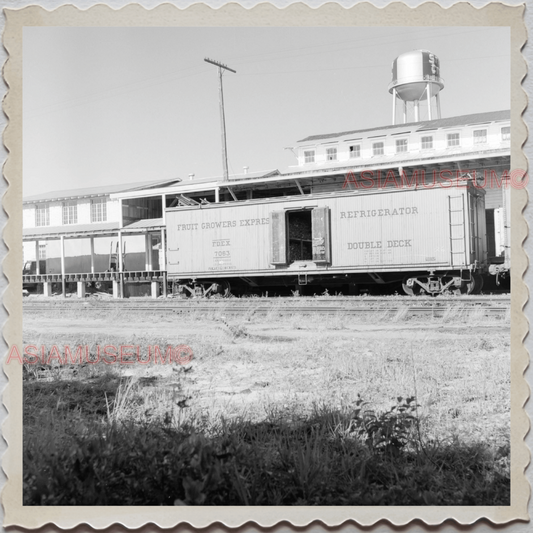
[222, 67]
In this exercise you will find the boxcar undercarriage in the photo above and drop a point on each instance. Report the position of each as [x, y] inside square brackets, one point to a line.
[411, 283]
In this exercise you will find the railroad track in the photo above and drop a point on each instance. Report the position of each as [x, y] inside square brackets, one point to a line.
[493, 306]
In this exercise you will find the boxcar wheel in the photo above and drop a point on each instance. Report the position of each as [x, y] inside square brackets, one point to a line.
[478, 284]
[413, 290]
[473, 286]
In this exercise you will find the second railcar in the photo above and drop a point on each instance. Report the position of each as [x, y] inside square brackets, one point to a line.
[429, 240]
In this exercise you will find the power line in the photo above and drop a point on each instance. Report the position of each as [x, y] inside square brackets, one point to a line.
[292, 71]
[370, 45]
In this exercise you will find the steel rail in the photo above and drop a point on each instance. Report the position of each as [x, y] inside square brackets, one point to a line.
[503, 298]
[410, 307]
[303, 310]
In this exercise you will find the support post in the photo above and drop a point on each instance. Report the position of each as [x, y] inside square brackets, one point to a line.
[164, 202]
[120, 266]
[81, 289]
[92, 254]
[163, 267]
[63, 283]
[47, 289]
[154, 286]
[163, 250]
[146, 252]
[121, 213]
[150, 265]
[37, 262]
[217, 195]
[115, 288]
[120, 258]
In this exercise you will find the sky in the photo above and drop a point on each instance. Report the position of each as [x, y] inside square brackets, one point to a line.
[106, 106]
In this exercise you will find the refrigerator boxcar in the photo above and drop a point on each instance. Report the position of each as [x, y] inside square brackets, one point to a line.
[428, 239]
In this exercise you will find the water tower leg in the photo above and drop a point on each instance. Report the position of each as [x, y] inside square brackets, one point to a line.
[417, 118]
[404, 112]
[429, 101]
[393, 107]
[438, 105]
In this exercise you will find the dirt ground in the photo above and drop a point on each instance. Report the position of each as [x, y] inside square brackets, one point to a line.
[459, 371]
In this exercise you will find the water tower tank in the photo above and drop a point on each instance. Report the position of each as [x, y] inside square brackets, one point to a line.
[415, 77]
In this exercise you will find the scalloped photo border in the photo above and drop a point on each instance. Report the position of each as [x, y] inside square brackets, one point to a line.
[295, 15]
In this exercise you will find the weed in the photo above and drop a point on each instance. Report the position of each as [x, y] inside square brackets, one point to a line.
[392, 430]
[236, 331]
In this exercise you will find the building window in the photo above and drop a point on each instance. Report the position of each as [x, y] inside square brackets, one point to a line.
[42, 251]
[427, 143]
[42, 215]
[309, 156]
[99, 210]
[378, 148]
[480, 136]
[355, 151]
[401, 145]
[453, 139]
[506, 133]
[70, 213]
[331, 154]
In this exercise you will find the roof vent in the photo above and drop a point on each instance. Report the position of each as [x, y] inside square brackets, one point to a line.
[245, 170]
[191, 176]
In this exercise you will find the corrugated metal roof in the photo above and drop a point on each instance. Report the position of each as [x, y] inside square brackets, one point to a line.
[215, 180]
[97, 191]
[450, 122]
[198, 185]
[254, 175]
[465, 120]
[71, 230]
[76, 230]
[146, 223]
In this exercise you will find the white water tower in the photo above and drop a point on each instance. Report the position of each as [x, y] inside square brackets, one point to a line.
[416, 78]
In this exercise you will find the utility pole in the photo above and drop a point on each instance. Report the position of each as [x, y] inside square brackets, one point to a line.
[222, 67]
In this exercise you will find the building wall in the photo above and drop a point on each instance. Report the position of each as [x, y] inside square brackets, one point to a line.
[414, 143]
[113, 210]
[56, 212]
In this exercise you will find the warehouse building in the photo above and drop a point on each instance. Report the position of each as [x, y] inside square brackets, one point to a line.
[76, 236]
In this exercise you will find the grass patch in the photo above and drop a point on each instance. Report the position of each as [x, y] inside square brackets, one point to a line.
[328, 458]
[268, 413]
